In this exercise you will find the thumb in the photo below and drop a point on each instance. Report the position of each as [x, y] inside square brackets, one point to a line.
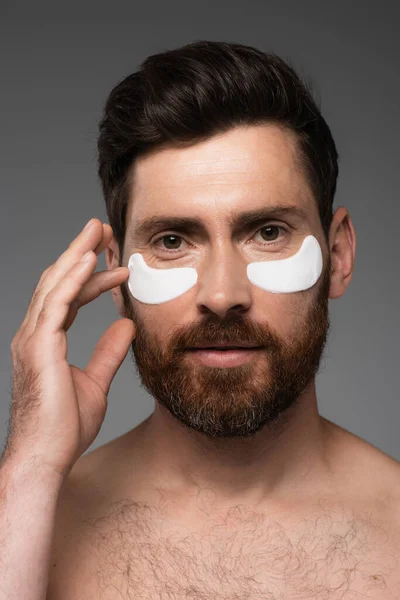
[110, 352]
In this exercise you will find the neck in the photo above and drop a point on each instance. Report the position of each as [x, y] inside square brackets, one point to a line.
[288, 461]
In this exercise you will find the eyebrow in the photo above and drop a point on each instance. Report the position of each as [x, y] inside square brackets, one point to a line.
[240, 221]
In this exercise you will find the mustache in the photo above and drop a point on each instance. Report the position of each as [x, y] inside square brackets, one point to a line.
[233, 329]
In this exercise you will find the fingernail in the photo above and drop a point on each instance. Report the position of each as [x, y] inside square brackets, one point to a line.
[88, 224]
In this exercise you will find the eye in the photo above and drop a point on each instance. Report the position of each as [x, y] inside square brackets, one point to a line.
[170, 242]
[173, 242]
[272, 230]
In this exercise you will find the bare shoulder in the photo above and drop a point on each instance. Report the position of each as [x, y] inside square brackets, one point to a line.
[367, 472]
[93, 483]
[71, 536]
[83, 501]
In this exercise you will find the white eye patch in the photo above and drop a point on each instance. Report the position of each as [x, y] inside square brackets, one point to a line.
[294, 274]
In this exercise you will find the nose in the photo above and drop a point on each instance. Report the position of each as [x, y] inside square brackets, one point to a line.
[223, 285]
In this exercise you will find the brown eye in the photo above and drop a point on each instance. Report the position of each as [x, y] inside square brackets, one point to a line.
[175, 242]
[267, 237]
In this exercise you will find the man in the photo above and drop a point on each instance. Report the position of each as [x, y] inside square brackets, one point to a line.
[216, 163]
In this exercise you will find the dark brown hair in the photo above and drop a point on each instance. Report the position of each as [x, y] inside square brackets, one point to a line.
[186, 95]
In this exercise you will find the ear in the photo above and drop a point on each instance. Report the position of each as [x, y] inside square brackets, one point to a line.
[342, 244]
[112, 260]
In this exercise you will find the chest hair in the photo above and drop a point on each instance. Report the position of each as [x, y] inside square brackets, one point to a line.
[242, 555]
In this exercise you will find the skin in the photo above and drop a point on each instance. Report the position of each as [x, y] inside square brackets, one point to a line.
[259, 167]
[309, 508]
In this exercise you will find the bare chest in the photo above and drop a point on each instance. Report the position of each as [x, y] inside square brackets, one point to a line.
[134, 553]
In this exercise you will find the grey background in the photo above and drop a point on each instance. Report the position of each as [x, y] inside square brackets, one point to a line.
[58, 64]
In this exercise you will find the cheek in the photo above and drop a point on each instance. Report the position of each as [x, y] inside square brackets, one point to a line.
[160, 322]
[285, 313]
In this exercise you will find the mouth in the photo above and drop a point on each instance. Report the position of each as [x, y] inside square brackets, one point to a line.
[224, 355]
[223, 346]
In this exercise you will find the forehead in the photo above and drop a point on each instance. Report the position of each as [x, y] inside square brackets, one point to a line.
[246, 167]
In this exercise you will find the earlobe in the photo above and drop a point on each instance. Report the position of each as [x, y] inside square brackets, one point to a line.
[118, 301]
[342, 247]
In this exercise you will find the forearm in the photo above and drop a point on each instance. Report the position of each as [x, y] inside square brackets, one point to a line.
[28, 503]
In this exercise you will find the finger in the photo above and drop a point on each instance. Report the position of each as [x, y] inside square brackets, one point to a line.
[57, 302]
[107, 237]
[110, 352]
[89, 239]
[85, 241]
[98, 283]
[34, 296]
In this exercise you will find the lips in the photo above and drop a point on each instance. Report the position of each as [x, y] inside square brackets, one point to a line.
[224, 356]
[225, 347]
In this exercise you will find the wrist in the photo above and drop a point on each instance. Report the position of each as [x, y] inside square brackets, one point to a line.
[30, 470]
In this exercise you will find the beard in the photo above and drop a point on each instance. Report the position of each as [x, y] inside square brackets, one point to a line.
[236, 401]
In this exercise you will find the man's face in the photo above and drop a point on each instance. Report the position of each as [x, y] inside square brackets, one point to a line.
[245, 169]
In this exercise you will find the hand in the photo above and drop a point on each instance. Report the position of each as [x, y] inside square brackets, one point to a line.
[57, 409]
